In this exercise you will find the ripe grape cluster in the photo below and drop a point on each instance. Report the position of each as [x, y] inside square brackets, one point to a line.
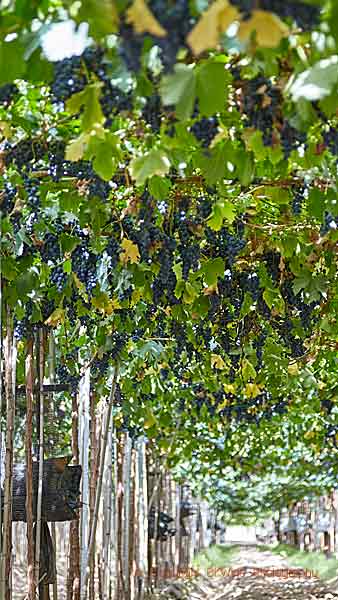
[205, 130]
[224, 244]
[65, 376]
[8, 93]
[330, 139]
[151, 112]
[261, 105]
[291, 138]
[71, 75]
[7, 199]
[84, 265]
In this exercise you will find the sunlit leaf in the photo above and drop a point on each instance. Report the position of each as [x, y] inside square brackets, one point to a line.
[143, 20]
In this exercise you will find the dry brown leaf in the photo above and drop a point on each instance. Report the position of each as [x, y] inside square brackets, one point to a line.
[269, 29]
[215, 21]
[143, 20]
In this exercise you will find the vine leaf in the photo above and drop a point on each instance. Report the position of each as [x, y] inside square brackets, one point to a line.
[152, 163]
[143, 20]
[130, 252]
[76, 148]
[102, 17]
[57, 317]
[315, 83]
[180, 89]
[212, 80]
[270, 30]
[217, 361]
[215, 21]
[222, 209]
[12, 64]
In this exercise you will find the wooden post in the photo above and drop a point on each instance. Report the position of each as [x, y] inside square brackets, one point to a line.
[40, 419]
[5, 590]
[91, 544]
[29, 367]
[84, 409]
[73, 578]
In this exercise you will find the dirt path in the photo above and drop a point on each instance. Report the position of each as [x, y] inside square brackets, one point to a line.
[250, 584]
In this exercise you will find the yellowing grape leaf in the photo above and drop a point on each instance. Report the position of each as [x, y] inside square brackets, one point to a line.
[57, 317]
[76, 148]
[215, 21]
[217, 361]
[143, 20]
[252, 390]
[268, 27]
[130, 253]
[105, 304]
[293, 369]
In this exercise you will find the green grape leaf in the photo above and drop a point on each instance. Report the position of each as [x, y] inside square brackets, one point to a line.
[154, 162]
[212, 269]
[316, 82]
[9, 268]
[159, 187]
[102, 17]
[215, 163]
[274, 300]
[179, 89]
[12, 63]
[212, 80]
[89, 99]
[222, 209]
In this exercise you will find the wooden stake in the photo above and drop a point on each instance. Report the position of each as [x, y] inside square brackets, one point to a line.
[40, 406]
[5, 590]
[29, 367]
[106, 424]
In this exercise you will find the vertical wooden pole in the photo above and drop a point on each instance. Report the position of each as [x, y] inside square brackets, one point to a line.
[92, 484]
[141, 494]
[41, 373]
[84, 459]
[73, 578]
[92, 537]
[51, 379]
[29, 367]
[5, 590]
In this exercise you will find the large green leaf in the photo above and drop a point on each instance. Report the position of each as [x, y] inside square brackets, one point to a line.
[315, 83]
[12, 63]
[179, 89]
[214, 163]
[151, 163]
[212, 80]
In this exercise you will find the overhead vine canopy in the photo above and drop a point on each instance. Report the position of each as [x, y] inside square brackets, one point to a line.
[169, 199]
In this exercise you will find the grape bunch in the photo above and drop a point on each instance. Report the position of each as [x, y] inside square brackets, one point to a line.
[291, 138]
[151, 112]
[7, 198]
[224, 244]
[65, 376]
[84, 265]
[205, 130]
[50, 249]
[330, 139]
[24, 153]
[71, 75]
[261, 106]
[8, 93]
